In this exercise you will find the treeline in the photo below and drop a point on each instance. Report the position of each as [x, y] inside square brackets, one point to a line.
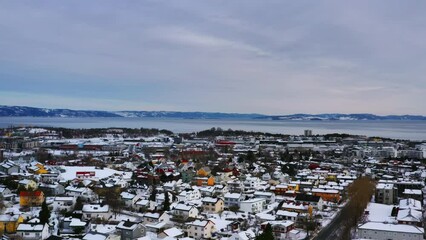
[214, 132]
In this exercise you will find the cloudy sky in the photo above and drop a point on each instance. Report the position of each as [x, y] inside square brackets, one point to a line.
[273, 57]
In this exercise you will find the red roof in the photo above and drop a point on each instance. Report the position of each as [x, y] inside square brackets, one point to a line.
[30, 194]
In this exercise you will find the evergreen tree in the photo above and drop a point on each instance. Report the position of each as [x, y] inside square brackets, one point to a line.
[153, 195]
[166, 204]
[44, 214]
[267, 233]
[78, 204]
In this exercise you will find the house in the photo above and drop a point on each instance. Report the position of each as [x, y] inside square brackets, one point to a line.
[200, 229]
[243, 235]
[386, 193]
[129, 199]
[279, 189]
[95, 236]
[189, 195]
[203, 181]
[82, 192]
[31, 198]
[410, 203]
[254, 205]
[386, 231]
[171, 233]
[280, 229]
[252, 183]
[64, 203]
[306, 199]
[220, 190]
[330, 195]
[413, 193]
[96, 211]
[212, 205]
[8, 167]
[144, 205]
[235, 185]
[187, 175]
[409, 216]
[5, 193]
[293, 207]
[183, 212]
[268, 196]
[131, 230]
[9, 222]
[208, 191]
[233, 199]
[33, 231]
[70, 225]
[287, 215]
[52, 189]
[153, 218]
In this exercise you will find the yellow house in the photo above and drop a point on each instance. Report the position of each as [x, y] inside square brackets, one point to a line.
[10, 222]
[31, 198]
[41, 169]
[203, 172]
[293, 187]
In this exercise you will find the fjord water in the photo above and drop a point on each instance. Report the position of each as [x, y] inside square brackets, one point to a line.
[413, 130]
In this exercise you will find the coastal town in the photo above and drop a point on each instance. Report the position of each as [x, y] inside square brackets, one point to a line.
[119, 183]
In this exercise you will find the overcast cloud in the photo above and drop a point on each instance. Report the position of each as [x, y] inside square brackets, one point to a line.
[273, 57]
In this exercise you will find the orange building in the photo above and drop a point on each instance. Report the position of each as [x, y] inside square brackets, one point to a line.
[330, 195]
[31, 198]
[204, 181]
[280, 189]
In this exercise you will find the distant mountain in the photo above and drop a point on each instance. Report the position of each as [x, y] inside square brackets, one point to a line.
[18, 111]
[195, 115]
[338, 116]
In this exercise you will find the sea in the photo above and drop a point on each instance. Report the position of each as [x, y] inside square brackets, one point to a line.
[412, 130]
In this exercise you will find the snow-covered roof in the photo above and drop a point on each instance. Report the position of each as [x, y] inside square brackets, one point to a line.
[95, 208]
[173, 232]
[410, 203]
[232, 195]
[377, 226]
[199, 223]
[30, 227]
[183, 207]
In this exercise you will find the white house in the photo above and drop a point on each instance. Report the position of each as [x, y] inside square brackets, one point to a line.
[96, 211]
[144, 204]
[268, 196]
[183, 211]
[233, 199]
[129, 199]
[254, 205]
[64, 203]
[82, 192]
[385, 231]
[154, 218]
[252, 183]
[189, 195]
[33, 231]
[287, 215]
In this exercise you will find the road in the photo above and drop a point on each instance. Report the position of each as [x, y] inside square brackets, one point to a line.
[334, 229]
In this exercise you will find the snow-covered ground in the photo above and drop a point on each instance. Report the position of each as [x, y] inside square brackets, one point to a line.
[71, 172]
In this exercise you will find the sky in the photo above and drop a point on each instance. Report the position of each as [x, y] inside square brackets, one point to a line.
[270, 57]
